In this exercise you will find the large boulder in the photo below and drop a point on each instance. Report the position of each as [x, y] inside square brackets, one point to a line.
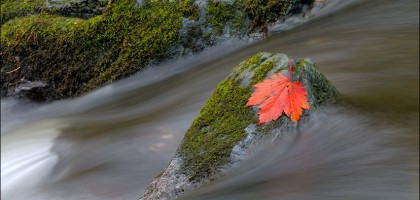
[75, 8]
[226, 133]
[75, 46]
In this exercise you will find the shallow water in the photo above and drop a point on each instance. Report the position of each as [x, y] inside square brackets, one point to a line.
[110, 143]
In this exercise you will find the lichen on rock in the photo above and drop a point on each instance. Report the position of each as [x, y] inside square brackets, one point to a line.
[225, 131]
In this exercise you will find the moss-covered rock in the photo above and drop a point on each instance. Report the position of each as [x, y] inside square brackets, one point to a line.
[18, 8]
[77, 8]
[75, 46]
[221, 15]
[75, 55]
[262, 12]
[225, 131]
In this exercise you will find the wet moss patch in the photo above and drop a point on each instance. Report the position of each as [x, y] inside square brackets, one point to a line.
[75, 55]
[74, 8]
[265, 11]
[18, 8]
[221, 15]
[221, 124]
[208, 143]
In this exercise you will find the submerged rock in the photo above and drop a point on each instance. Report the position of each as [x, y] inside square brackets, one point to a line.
[226, 133]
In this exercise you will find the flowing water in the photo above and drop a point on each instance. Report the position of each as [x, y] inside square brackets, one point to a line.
[111, 142]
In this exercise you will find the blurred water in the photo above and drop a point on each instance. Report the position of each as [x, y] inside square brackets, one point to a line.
[110, 143]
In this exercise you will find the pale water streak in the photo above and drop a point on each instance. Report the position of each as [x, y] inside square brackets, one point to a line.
[111, 142]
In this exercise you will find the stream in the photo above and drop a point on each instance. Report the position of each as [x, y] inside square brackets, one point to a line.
[109, 143]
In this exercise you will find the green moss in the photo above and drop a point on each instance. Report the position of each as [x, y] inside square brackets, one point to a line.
[253, 61]
[244, 16]
[208, 142]
[262, 12]
[221, 14]
[17, 8]
[250, 62]
[188, 9]
[139, 36]
[44, 26]
[220, 125]
[321, 86]
[261, 71]
[49, 48]
[74, 55]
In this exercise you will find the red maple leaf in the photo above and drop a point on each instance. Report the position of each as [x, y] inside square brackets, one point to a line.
[278, 94]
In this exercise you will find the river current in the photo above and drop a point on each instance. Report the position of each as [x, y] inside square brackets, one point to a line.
[111, 142]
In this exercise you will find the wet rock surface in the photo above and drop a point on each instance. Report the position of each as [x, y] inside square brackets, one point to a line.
[82, 8]
[35, 91]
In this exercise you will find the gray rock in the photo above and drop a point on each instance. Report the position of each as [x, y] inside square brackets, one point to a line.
[225, 133]
[307, 13]
[82, 8]
[35, 91]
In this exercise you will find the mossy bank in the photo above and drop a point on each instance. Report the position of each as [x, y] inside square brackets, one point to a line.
[74, 46]
[225, 131]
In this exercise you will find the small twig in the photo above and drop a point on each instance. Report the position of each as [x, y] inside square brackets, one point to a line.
[12, 70]
[21, 36]
[290, 70]
[29, 37]
[36, 38]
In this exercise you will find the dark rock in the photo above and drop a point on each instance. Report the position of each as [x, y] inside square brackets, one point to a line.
[35, 91]
[81, 8]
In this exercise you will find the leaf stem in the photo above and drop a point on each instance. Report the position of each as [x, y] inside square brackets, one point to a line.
[290, 70]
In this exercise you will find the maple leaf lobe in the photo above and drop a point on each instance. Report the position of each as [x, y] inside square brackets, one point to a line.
[276, 95]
